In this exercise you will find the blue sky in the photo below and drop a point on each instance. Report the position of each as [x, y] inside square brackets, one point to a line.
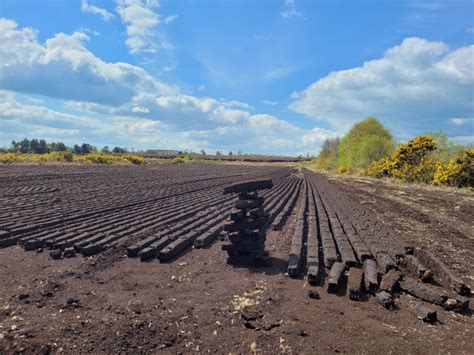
[267, 76]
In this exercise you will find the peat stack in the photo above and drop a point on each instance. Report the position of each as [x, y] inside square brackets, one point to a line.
[246, 225]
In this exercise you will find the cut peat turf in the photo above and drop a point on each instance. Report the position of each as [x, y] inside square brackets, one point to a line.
[185, 297]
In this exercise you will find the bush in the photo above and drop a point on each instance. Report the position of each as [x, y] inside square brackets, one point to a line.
[445, 148]
[181, 160]
[134, 159]
[59, 156]
[92, 158]
[327, 157]
[341, 170]
[366, 141]
[380, 168]
[457, 172]
[10, 158]
[410, 162]
[98, 158]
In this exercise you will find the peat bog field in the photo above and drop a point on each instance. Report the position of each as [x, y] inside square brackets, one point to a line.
[128, 258]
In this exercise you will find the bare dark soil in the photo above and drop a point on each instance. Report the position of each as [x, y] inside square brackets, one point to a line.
[108, 303]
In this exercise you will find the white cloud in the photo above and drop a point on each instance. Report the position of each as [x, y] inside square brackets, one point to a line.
[237, 128]
[464, 140]
[89, 100]
[235, 103]
[272, 134]
[86, 7]
[269, 102]
[70, 70]
[141, 21]
[140, 109]
[170, 19]
[289, 9]
[415, 84]
[461, 121]
[317, 136]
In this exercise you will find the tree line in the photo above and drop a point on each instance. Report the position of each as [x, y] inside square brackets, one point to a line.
[40, 146]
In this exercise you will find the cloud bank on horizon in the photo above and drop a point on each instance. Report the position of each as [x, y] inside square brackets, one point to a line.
[60, 85]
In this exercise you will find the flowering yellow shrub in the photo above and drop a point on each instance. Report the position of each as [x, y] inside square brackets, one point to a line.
[134, 159]
[342, 170]
[380, 168]
[457, 172]
[98, 158]
[59, 156]
[67, 157]
[410, 162]
[9, 158]
[181, 160]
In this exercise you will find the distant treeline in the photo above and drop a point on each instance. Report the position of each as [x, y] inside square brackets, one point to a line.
[40, 146]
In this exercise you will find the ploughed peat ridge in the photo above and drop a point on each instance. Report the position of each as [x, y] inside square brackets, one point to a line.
[160, 213]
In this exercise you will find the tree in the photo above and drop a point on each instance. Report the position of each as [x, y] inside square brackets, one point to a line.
[24, 146]
[203, 152]
[15, 146]
[105, 149]
[367, 141]
[230, 153]
[58, 147]
[119, 150]
[218, 153]
[42, 147]
[239, 152]
[77, 149]
[86, 148]
[33, 146]
[445, 148]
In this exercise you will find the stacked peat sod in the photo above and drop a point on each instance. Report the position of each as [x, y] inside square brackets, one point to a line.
[247, 223]
[353, 253]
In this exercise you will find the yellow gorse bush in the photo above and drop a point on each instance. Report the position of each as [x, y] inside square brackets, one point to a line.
[134, 159]
[67, 157]
[457, 172]
[412, 162]
[181, 160]
[9, 158]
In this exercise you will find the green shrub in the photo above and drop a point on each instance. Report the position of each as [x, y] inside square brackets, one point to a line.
[327, 157]
[445, 148]
[366, 141]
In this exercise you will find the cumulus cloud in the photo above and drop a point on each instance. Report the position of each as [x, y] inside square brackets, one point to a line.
[64, 68]
[237, 131]
[273, 135]
[60, 87]
[141, 19]
[416, 84]
[103, 13]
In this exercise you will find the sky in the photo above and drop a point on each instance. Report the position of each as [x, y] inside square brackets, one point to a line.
[261, 76]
